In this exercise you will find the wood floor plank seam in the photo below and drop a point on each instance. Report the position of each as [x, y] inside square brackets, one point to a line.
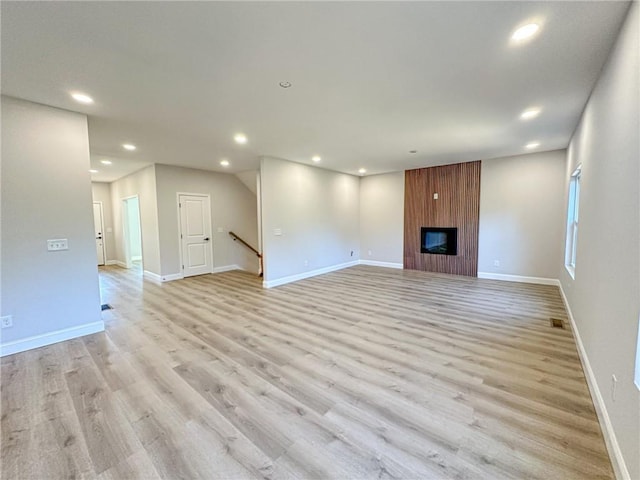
[361, 373]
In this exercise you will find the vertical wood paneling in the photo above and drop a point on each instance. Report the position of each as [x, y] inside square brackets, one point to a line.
[458, 205]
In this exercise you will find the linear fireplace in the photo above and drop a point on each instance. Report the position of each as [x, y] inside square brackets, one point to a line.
[439, 240]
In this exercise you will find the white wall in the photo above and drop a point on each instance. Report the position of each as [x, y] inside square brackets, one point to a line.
[521, 215]
[101, 192]
[46, 194]
[143, 184]
[382, 218]
[318, 213]
[233, 208]
[605, 296]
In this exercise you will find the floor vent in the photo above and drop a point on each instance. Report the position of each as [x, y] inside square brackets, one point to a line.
[556, 323]
[106, 306]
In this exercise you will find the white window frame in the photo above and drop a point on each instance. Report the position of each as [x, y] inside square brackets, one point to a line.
[573, 210]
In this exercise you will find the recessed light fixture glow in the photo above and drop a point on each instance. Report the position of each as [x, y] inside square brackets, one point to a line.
[82, 98]
[240, 138]
[224, 163]
[93, 171]
[531, 145]
[285, 84]
[362, 170]
[525, 32]
[530, 113]
[316, 158]
[128, 146]
[106, 162]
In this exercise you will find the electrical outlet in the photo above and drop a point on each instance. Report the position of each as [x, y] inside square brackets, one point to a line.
[57, 244]
[614, 383]
[496, 263]
[7, 321]
[306, 263]
[369, 253]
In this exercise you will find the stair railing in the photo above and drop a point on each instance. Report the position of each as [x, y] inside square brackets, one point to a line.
[236, 237]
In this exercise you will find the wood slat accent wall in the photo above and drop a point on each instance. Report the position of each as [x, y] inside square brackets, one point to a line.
[458, 205]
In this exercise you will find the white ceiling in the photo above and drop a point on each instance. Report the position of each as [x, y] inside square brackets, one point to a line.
[371, 81]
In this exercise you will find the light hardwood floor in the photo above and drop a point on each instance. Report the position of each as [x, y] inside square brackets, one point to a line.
[362, 373]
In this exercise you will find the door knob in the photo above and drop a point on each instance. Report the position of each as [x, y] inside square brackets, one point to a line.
[206, 239]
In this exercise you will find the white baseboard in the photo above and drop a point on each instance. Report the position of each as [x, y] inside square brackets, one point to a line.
[135, 259]
[152, 276]
[610, 440]
[226, 268]
[171, 277]
[45, 339]
[120, 264]
[375, 263]
[312, 273]
[179, 276]
[519, 278]
[111, 262]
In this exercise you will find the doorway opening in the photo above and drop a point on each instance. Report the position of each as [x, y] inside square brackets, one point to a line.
[132, 233]
[98, 230]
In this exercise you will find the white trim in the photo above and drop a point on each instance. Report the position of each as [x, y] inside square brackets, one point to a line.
[375, 263]
[519, 278]
[179, 276]
[171, 277]
[45, 339]
[610, 440]
[154, 277]
[111, 262]
[226, 268]
[312, 273]
[136, 258]
[120, 263]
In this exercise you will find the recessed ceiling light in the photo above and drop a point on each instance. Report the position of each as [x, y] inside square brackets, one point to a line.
[316, 158]
[128, 146]
[285, 84]
[240, 138]
[82, 98]
[224, 163]
[530, 113]
[93, 171]
[106, 162]
[362, 170]
[531, 145]
[525, 32]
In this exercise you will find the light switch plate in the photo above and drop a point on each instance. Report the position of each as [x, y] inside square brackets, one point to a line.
[277, 232]
[6, 321]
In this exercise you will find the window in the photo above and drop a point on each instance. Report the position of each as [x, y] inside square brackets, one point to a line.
[572, 222]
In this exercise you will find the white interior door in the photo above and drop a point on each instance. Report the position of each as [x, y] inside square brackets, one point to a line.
[195, 234]
[99, 231]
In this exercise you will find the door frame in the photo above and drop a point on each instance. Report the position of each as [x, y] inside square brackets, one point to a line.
[104, 249]
[124, 210]
[180, 256]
